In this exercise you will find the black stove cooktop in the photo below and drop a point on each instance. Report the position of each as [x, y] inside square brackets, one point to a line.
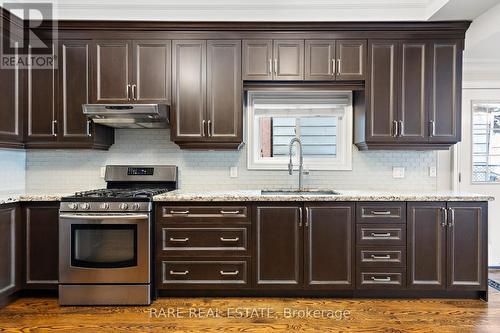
[105, 194]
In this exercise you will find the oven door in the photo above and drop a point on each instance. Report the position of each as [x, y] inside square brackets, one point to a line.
[104, 248]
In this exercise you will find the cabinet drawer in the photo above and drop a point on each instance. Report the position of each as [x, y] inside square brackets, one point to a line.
[204, 239]
[193, 273]
[381, 212]
[381, 256]
[381, 234]
[175, 213]
[376, 278]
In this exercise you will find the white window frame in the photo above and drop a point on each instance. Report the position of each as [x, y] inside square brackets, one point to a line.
[343, 159]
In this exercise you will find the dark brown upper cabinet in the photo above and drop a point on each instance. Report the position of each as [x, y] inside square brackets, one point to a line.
[273, 59]
[329, 246]
[445, 60]
[11, 115]
[447, 245]
[412, 97]
[279, 247]
[207, 94]
[131, 71]
[328, 60]
[55, 96]
[41, 225]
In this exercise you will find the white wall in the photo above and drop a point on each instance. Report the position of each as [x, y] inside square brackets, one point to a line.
[70, 170]
[12, 167]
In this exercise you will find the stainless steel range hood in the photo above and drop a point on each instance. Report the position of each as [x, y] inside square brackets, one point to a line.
[128, 115]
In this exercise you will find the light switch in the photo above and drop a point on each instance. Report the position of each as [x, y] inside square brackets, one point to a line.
[102, 172]
[233, 172]
[433, 171]
[398, 172]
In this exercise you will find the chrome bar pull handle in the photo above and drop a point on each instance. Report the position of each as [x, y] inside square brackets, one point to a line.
[183, 212]
[179, 272]
[54, 127]
[394, 128]
[270, 66]
[386, 234]
[127, 90]
[386, 257]
[229, 212]
[451, 221]
[384, 279]
[183, 240]
[88, 128]
[307, 217]
[134, 92]
[400, 128]
[203, 133]
[209, 128]
[432, 130]
[338, 66]
[229, 272]
[334, 67]
[444, 221]
[276, 66]
[235, 239]
[300, 216]
[381, 212]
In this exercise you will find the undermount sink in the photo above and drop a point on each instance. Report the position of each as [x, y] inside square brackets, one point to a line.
[297, 192]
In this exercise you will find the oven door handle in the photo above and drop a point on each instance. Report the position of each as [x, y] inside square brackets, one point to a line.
[104, 217]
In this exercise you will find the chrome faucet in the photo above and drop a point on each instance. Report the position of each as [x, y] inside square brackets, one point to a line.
[301, 160]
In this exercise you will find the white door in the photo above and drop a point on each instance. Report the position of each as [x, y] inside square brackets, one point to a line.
[478, 157]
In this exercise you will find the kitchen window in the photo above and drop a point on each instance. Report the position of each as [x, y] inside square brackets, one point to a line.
[486, 142]
[321, 120]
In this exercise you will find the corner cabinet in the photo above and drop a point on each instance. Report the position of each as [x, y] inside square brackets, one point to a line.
[307, 246]
[412, 96]
[206, 110]
[447, 246]
[54, 103]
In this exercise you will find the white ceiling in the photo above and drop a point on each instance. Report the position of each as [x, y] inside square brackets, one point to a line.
[268, 10]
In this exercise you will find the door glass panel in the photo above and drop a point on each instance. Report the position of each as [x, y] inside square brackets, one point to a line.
[485, 142]
[103, 246]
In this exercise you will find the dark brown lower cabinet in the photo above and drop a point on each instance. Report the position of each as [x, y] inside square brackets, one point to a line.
[447, 245]
[329, 246]
[279, 246]
[42, 245]
[10, 251]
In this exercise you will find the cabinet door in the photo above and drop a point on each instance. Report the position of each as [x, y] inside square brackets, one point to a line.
[257, 59]
[467, 245]
[412, 104]
[42, 246]
[426, 237]
[10, 250]
[320, 60]
[42, 125]
[329, 246]
[74, 91]
[189, 90]
[278, 257]
[288, 59]
[446, 87]
[224, 91]
[152, 68]
[351, 59]
[10, 108]
[381, 91]
[112, 71]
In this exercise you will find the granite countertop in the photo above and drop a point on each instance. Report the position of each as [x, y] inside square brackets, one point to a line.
[256, 195]
[12, 197]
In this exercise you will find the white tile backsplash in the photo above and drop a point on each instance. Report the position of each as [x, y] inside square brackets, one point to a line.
[12, 170]
[73, 170]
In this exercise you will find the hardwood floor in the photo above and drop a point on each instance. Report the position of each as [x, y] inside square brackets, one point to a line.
[427, 315]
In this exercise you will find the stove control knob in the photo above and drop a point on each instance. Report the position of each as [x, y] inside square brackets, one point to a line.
[85, 206]
[73, 206]
[104, 206]
[136, 206]
[123, 206]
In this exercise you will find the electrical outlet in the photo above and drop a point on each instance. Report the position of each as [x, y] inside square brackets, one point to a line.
[433, 171]
[233, 172]
[102, 172]
[398, 172]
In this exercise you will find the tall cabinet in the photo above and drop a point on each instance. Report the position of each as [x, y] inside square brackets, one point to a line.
[207, 102]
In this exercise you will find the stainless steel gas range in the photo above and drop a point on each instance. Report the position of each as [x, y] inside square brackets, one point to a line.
[105, 238]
